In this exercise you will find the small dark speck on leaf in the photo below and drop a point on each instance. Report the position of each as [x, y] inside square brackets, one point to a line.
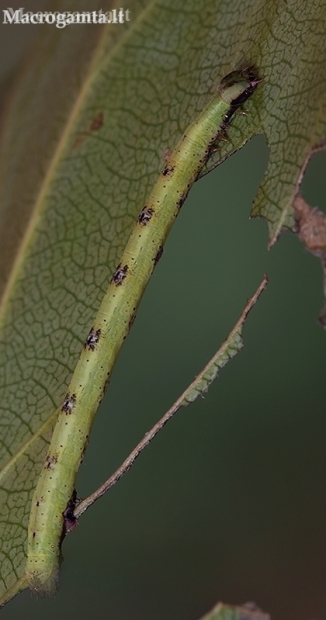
[97, 123]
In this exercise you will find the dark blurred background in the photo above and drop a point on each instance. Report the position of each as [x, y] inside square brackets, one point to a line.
[229, 502]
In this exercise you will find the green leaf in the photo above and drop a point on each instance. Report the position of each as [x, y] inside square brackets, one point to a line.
[248, 611]
[286, 40]
[83, 144]
[294, 102]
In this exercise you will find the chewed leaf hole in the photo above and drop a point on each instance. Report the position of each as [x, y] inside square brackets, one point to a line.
[313, 187]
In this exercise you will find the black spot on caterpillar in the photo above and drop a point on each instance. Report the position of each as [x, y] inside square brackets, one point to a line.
[69, 403]
[158, 255]
[167, 170]
[131, 321]
[145, 215]
[70, 521]
[92, 339]
[50, 461]
[119, 274]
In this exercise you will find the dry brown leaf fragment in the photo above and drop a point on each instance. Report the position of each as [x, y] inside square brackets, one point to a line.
[311, 226]
[311, 230]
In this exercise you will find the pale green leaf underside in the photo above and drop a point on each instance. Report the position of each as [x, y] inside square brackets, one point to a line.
[202, 383]
[249, 611]
[149, 81]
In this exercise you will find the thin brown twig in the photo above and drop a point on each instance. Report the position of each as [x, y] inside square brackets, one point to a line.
[84, 504]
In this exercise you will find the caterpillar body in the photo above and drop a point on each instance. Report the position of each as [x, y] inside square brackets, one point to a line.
[48, 518]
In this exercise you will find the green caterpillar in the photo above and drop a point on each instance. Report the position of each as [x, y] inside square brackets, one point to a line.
[52, 511]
